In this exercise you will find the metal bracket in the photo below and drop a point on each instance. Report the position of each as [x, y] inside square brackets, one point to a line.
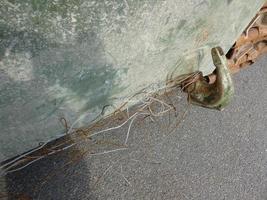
[213, 95]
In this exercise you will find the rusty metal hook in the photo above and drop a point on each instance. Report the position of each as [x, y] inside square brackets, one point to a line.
[218, 94]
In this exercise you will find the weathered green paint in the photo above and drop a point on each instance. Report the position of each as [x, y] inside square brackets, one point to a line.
[218, 94]
[68, 58]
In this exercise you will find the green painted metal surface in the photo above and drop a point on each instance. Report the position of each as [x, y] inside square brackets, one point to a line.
[69, 58]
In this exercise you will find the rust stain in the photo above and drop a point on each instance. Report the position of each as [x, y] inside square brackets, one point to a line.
[204, 35]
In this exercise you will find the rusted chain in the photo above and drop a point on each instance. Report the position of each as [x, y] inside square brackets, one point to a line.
[248, 47]
[251, 44]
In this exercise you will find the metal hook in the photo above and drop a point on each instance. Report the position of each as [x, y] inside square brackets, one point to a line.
[218, 94]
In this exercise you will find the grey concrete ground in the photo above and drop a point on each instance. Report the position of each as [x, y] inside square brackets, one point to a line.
[211, 155]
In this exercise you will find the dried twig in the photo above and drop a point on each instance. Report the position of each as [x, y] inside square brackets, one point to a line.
[147, 103]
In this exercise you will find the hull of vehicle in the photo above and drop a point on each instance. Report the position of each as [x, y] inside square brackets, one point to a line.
[70, 59]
